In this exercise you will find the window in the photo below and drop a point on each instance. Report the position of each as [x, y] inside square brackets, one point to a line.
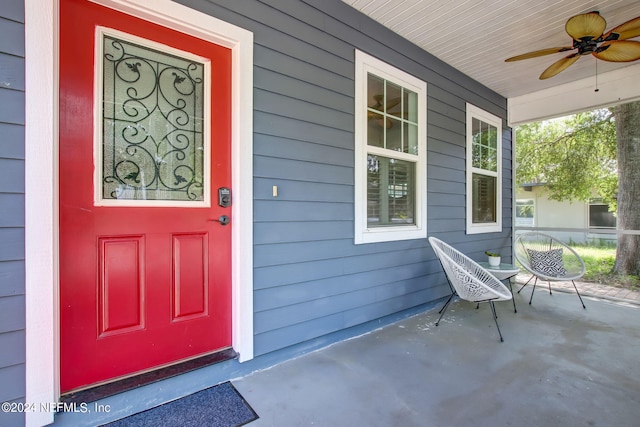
[484, 171]
[599, 215]
[525, 212]
[390, 180]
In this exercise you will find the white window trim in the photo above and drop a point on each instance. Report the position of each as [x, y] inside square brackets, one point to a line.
[493, 227]
[363, 234]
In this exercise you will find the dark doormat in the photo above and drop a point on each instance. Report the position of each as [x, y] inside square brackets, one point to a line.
[219, 406]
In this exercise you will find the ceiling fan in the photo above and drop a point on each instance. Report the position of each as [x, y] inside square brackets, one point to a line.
[587, 32]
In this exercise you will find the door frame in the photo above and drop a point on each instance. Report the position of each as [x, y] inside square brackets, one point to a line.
[41, 180]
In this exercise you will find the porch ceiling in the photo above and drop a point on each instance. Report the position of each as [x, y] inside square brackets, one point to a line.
[476, 37]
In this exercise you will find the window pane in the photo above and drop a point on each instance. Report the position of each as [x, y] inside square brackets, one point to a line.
[375, 129]
[410, 138]
[483, 209]
[410, 106]
[375, 92]
[390, 192]
[524, 212]
[394, 99]
[394, 134]
[600, 217]
[152, 142]
[485, 143]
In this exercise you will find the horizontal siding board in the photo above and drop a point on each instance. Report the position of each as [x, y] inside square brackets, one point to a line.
[457, 149]
[13, 348]
[12, 276]
[303, 23]
[279, 126]
[12, 311]
[11, 72]
[13, 419]
[271, 167]
[11, 105]
[304, 311]
[446, 187]
[294, 88]
[296, 252]
[11, 244]
[446, 199]
[11, 210]
[445, 161]
[446, 174]
[446, 122]
[447, 224]
[14, 377]
[307, 111]
[13, 10]
[445, 135]
[284, 148]
[269, 59]
[12, 142]
[12, 40]
[336, 267]
[279, 211]
[303, 191]
[436, 212]
[283, 232]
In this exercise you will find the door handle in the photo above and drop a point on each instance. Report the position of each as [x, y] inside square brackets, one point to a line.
[224, 219]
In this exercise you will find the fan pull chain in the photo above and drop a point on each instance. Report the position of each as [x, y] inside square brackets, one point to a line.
[596, 90]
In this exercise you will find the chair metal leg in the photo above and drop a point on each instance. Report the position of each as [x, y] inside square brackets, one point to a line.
[582, 302]
[548, 281]
[444, 308]
[513, 300]
[535, 282]
[526, 283]
[495, 319]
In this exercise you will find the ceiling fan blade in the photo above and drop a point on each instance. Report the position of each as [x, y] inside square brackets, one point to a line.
[559, 66]
[628, 30]
[586, 26]
[537, 53]
[618, 51]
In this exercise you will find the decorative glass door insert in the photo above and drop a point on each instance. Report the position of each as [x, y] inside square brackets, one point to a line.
[153, 104]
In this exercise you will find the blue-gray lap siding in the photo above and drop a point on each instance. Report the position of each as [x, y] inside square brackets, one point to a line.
[12, 302]
[310, 279]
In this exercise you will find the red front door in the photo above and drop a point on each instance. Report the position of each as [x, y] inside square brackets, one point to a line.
[144, 262]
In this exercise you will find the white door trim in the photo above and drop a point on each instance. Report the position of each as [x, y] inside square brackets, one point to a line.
[41, 182]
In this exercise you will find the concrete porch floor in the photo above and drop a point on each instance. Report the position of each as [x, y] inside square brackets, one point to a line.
[560, 365]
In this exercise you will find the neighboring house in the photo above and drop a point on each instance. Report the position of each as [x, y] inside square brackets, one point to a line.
[343, 145]
[577, 222]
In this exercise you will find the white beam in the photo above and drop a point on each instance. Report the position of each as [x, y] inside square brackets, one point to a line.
[615, 87]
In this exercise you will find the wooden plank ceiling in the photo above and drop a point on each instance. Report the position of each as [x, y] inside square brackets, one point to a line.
[476, 36]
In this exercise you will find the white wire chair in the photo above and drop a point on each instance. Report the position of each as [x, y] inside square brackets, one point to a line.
[547, 258]
[468, 280]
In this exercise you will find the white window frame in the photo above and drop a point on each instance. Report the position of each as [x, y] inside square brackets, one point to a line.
[366, 64]
[491, 227]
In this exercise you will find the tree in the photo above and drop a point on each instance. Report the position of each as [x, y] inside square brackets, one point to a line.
[628, 135]
[573, 156]
[596, 151]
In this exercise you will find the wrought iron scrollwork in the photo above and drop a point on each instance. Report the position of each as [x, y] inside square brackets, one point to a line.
[153, 106]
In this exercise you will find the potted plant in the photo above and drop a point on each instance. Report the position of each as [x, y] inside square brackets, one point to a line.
[493, 258]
